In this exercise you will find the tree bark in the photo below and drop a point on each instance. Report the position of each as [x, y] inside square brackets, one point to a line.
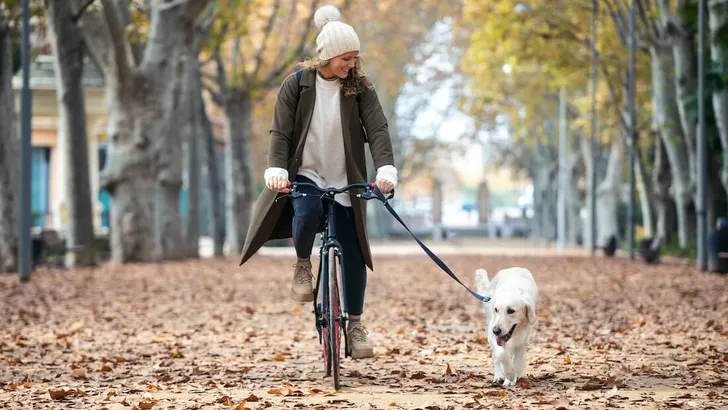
[239, 195]
[718, 18]
[644, 189]
[8, 156]
[608, 193]
[574, 203]
[585, 148]
[665, 112]
[192, 128]
[68, 47]
[217, 216]
[663, 202]
[170, 243]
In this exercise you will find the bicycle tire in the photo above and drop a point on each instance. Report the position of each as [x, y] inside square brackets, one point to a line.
[334, 316]
[324, 312]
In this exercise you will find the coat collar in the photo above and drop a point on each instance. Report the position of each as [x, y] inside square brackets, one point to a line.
[308, 99]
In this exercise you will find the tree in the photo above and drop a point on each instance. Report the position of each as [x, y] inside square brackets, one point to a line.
[255, 59]
[68, 48]
[8, 151]
[144, 170]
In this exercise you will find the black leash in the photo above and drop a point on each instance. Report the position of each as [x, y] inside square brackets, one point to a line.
[435, 258]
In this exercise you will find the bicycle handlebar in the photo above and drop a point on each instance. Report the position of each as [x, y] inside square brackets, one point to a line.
[368, 188]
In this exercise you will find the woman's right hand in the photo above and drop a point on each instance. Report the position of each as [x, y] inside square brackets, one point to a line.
[278, 184]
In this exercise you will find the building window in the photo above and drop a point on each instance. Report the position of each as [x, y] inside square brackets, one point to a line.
[40, 174]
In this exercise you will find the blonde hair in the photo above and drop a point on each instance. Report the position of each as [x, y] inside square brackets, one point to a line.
[355, 83]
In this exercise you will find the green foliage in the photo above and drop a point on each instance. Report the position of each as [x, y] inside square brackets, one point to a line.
[672, 248]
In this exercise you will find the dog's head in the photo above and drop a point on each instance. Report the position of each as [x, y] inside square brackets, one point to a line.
[511, 310]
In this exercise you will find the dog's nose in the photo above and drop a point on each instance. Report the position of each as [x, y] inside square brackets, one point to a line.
[496, 331]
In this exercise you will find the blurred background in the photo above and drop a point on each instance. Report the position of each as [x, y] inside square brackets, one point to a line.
[574, 123]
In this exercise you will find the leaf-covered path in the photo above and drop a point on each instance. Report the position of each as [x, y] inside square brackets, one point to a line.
[211, 335]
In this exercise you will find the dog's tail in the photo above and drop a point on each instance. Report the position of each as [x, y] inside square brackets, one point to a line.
[482, 281]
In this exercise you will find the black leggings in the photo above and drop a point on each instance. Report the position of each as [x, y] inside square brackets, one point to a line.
[309, 213]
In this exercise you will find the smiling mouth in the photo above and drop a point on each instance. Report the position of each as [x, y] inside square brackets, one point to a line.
[502, 339]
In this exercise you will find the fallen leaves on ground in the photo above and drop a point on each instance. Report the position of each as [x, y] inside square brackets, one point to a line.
[209, 334]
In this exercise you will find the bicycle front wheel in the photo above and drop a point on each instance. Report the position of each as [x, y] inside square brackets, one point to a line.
[334, 318]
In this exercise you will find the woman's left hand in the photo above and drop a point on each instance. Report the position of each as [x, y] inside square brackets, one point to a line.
[384, 186]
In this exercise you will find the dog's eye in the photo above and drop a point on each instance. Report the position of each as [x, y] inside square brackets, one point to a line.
[496, 310]
[510, 311]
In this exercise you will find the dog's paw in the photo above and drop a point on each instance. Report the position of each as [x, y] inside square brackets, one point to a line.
[509, 383]
[498, 379]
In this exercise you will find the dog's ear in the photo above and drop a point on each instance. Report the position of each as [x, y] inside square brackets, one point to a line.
[530, 311]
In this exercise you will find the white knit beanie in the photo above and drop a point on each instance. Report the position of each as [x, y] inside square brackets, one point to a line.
[335, 38]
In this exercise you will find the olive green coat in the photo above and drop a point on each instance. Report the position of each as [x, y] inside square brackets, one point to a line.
[362, 119]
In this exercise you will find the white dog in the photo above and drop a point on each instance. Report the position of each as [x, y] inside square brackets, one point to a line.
[511, 315]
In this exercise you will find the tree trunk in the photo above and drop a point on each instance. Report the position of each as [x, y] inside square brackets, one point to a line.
[129, 179]
[143, 162]
[192, 128]
[574, 204]
[644, 189]
[608, 193]
[217, 216]
[169, 240]
[718, 18]
[665, 112]
[585, 147]
[9, 165]
[68, 46]
[239, 183]
[685, 79]
[663, 202]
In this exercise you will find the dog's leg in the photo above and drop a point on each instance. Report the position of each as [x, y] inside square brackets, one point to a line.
[505, 360]
[498, 376]
[519, 361]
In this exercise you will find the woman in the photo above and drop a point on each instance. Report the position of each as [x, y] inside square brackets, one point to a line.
[321, 123]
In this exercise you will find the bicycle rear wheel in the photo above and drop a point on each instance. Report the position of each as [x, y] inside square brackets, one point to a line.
[322, 314]
[334, 318]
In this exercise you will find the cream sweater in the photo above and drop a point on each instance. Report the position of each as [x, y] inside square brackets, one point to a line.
[324, 158]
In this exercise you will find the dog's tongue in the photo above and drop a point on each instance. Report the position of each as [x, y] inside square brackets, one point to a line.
[501, 340]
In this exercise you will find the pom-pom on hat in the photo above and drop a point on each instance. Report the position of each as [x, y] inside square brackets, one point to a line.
[335, 38]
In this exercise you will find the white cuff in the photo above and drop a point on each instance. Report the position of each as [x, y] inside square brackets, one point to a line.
[388, 173]
[275, 172]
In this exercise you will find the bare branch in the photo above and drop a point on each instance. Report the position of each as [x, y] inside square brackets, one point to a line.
[118, 43]
[96, 36]
[268, 30]
[274, 76]
[137, 49]
[222, 80]
[288, 26]
[80, 13]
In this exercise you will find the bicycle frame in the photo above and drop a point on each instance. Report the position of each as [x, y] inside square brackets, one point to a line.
[330, 244]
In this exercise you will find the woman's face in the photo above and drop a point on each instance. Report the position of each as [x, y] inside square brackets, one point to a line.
[340, 65]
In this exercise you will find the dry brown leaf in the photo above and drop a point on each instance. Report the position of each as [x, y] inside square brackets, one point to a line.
[524, 383]
[147, 404]
[79, 373]
[418, 375]
[561, 403]
[60, 394]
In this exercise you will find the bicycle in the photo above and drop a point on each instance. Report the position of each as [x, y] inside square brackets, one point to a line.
[330, 312]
